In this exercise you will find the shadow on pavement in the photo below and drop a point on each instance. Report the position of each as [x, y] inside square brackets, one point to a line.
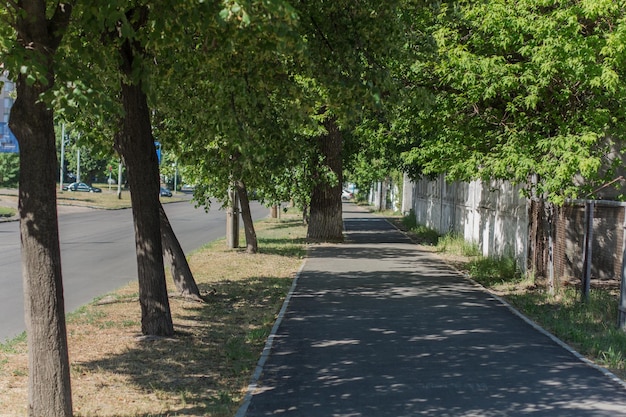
[378, 328]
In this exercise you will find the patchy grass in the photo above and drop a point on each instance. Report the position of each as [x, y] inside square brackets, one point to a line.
[205, 368]
[7, 211]
[591, 328]
[456, 245]
[107, 199]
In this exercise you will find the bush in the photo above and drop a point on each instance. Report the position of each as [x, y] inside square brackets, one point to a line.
[9, 169]
[424, 234]
[491, 270]
[456, 244]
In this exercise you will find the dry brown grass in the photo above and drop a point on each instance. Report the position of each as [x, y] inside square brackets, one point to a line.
[205, 368]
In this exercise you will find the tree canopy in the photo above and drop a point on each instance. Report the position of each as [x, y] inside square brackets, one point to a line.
[522, 89]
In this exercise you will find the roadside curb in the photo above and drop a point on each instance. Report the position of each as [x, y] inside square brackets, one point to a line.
[532, 323]
[551, 336]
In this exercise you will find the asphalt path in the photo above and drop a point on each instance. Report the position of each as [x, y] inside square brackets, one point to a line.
[98, 253]
[378, 327]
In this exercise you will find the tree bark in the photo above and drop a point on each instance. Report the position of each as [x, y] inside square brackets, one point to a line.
[49, 389]
[325, 221]
[175, 256]
[252, 245]
[135, 144]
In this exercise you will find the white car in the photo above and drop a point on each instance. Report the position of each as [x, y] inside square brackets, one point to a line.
[346, 195]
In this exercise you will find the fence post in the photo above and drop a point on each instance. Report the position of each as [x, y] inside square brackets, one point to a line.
[621, 313]
[587, 251]
[550, 212]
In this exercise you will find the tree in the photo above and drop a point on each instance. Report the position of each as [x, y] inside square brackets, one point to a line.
[242, 136]
[135, 144]
[175, 257]
[92, 165]
[138, 34]
[523, 90]
[32, 32]
[312, 71]
[325, 221]
[349, 49]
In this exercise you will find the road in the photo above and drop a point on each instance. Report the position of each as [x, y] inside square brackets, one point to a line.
[98, 253]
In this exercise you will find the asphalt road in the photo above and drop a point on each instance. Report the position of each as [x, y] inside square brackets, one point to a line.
[98, 253]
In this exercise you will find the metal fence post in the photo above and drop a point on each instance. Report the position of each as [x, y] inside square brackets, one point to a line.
[621, 313]
[587, 251]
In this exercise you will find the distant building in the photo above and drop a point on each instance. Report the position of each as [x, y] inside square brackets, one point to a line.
[6, 98]
[8, 142]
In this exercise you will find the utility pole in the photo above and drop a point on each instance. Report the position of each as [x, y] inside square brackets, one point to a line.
[175, 176]
[232, 220]
[77, 165]
[119, 180]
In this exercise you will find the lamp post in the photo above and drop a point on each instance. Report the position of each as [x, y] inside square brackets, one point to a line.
[175, 176]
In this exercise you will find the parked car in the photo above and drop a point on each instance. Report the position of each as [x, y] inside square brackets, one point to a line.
[187, 188]
[346, 195]
[165, 192]
[81, 186]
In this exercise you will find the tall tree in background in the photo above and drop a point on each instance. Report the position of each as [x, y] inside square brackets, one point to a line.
[350, 46]
[32, 31]
[245, 133]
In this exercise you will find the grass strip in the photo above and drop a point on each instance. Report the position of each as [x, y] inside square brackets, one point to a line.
[205, 368]
[7, 212]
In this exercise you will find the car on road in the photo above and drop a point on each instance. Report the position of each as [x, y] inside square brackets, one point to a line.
[81, 186]
[187, 188]
[346, 195]
[165, 192]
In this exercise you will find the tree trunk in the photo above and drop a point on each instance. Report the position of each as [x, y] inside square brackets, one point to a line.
[325, 221]
[175, 256]
[305, 214]
[252, 245]
[49, 389]
[135, 144]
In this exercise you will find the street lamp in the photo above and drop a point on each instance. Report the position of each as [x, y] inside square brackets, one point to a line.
[175, 176]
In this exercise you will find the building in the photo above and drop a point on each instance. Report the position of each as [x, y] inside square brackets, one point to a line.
[8, 143]
[6, 98]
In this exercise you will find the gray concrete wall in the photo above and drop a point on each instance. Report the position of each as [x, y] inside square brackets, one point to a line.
[492, 215]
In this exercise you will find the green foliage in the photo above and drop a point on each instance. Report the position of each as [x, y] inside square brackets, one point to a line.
[523, 88]
[589, 327]
[9, 169]
[456, 244]
[290, 66]
[489, 270]
[7, 212]
[424, 234]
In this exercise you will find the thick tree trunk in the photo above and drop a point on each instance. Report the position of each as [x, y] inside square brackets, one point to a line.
[49, 390]
[135, 144]
[175, 257]
[325, 221]
[252, 245]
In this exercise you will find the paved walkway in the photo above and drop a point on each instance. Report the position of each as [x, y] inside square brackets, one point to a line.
[376, 327]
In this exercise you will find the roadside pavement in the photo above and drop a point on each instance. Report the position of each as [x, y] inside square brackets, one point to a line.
[375, 327]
